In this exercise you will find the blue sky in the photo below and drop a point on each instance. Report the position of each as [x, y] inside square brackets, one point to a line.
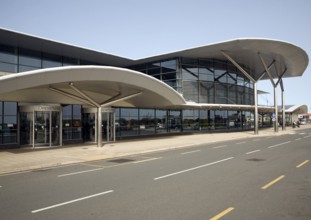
[141, 28]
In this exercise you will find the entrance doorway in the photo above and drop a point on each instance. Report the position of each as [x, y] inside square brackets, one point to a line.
[41, 126]
[90, 125]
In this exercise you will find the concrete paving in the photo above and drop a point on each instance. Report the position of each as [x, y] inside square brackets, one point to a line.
[24, 159]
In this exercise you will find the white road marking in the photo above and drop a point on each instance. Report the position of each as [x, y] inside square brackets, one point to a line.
[297, 139]
[307, 136]
[220, 146]
[243, 142]
[150, 159]
[191, 169]
[252, 152]
[85, 171]
[190, 152]
[279, 144]
[72, 201]
[257, 140]
[302, 133]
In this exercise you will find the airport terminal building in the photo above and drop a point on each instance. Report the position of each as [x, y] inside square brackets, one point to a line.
[53, 94]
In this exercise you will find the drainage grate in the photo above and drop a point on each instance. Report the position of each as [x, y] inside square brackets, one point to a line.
[122, 160]
[256, 159]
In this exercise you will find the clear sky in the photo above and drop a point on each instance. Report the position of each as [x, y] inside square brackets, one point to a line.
[142, 28]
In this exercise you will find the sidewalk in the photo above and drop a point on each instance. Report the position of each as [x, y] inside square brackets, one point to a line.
[23, 159]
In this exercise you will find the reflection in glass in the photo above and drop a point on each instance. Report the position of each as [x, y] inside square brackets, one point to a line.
[191, 120]
[147, 123]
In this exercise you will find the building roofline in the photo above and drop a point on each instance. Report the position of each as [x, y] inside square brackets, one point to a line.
[288, 60]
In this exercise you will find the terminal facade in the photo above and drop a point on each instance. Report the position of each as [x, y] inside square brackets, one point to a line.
[217, 96]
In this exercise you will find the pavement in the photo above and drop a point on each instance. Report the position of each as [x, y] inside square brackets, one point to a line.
[26, 159]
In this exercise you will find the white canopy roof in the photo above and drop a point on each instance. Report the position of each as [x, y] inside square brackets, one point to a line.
[103, 85]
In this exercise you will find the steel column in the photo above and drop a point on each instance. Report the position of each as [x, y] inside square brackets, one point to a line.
[276, 111]
[256, 109]
[247, 75]
[99, 127]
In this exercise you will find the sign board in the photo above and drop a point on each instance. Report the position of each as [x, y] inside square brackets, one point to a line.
[273, 116]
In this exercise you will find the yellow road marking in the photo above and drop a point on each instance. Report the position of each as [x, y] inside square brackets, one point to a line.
[303, 163]
[223, 213]
[272, 182]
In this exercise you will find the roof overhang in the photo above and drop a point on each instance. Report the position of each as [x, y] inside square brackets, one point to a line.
[285, 59]
[192, 105]
[298, 109]
[122, 87]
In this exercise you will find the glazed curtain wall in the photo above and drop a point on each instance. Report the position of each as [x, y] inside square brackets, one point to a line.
[137, 122]
[202, 80]
[14, 60]
[214, 81]
[72, 123]
[8, 123]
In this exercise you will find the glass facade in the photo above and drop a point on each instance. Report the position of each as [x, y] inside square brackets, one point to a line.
[72, 123]
[8, 123]
[206, 81]
[14, 60]
[203, 80]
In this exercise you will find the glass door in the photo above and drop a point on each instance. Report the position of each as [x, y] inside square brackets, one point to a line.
[89, 125]
[108, 127]
[42, 128]
[55, 129]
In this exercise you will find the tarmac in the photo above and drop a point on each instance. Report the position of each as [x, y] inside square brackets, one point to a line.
[28, 159]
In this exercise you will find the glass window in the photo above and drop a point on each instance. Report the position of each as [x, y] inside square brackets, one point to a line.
[174, 121]
[7, 67]
[232, 94]
[76, 110]
[156, 65]
[206, 74]
[50, 60]
[211, 92]
[9, 126]
[221, 76]
[87, 62]
[169, 76]
[22, 68]
[190, 73]
[221, 119]
[221, 94]
[203, 93]
[232, 78]
[68, 61]
[8, 54]
[191, 120]
[72, 122]
[29, 58]
[161, 120]
[147, 123]
[154, 71]
[129, 123]
[10, 108]
[191, 91]
[169, 66]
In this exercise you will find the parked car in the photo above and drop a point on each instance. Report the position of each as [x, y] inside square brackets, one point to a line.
[303, 121]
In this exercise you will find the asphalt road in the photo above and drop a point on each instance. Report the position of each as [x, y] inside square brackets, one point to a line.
[253, 178]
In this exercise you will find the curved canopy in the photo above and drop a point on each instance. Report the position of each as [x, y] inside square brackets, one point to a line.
[285, 59]
[105, 86]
